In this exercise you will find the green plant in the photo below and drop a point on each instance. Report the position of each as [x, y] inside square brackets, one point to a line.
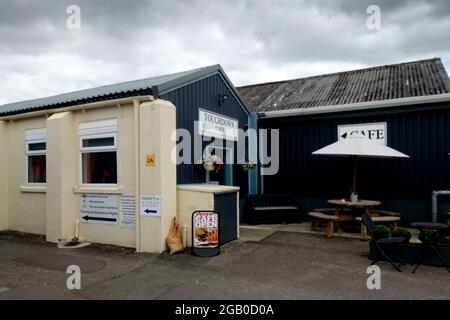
[428, 235]
[353, 191]
[402, 232]
[381, 231]
[248, 165]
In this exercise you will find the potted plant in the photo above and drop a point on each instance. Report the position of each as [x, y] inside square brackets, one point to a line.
[211, 162]
[354, 195]
[427, 236]
[381, 231]
[403, 233]
[248, 165]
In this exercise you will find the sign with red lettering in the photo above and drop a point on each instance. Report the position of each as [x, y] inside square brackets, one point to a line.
[206, 229]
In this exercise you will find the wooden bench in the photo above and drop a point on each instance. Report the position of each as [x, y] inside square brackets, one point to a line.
[273, 208]
[377, 213]
[330, 220]
[392, 221]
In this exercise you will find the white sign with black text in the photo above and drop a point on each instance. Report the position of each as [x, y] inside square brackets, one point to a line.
[150, 205]
[128, 211]
[214, 125]
[99, 208]
[371, 131]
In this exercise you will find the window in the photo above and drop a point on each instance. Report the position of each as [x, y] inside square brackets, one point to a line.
[36, 148]
[98, 147]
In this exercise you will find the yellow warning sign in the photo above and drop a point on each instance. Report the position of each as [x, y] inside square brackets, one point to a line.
[150, 160]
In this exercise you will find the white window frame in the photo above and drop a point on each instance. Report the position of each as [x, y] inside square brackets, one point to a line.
[34, 136]
[98, 130]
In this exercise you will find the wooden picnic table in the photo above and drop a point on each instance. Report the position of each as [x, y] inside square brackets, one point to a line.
[356, 209]
[362, 205]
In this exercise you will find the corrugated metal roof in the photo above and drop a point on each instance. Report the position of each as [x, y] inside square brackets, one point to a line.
[411, 79]
[130, 88]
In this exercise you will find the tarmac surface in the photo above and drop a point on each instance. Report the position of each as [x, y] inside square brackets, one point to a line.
[261, 265]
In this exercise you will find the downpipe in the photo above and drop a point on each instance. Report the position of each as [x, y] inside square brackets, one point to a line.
[434, 202]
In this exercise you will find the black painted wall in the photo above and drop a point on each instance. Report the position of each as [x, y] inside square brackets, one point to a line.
[404, 185]
[204, 94]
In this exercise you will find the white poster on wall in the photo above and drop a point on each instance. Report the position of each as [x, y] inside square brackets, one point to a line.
[99, 208]
[150, 205]
[371, 131]
[128, 211]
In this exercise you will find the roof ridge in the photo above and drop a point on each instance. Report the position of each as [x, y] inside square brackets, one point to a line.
[436, 59]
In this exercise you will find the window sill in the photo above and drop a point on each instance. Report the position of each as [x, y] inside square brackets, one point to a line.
[33, 189]
[102, 190]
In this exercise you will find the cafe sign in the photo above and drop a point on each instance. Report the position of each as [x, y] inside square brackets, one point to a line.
[214, 125]
[371, 131]
[205, 233]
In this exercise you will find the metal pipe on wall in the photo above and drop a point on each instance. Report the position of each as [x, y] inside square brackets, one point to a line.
[434, 202]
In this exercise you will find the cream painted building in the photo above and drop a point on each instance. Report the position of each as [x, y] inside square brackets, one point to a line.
[97, 164]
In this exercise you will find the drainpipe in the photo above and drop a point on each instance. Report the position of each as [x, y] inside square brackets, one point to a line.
[137, 172]
[434, 202]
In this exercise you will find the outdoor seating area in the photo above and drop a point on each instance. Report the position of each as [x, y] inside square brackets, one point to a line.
[348, 211]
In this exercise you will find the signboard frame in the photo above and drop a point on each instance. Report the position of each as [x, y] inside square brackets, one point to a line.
[92, 202]
[369, 126]
[205, 250]
[234, 136]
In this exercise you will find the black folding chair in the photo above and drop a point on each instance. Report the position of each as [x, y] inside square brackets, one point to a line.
[384, 245]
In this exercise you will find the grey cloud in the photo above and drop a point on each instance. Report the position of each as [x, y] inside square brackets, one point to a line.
[255, 40]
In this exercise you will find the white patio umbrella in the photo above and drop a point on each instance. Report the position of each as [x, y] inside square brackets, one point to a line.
[359, 147]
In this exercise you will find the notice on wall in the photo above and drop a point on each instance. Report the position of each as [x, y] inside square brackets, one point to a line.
[214, 125]
[128, 211]
[150, 160]
[150, 205]
[99, 208]
[372, 131]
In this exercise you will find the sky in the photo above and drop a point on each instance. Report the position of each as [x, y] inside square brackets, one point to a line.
[43, 52]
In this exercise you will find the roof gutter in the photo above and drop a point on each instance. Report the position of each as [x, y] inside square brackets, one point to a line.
[445, 97]
[86, 106]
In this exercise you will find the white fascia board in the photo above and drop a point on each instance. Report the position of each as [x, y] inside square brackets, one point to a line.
[445, 97]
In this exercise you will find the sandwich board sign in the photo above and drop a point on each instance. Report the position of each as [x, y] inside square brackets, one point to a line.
[205, 233]
[371, 131]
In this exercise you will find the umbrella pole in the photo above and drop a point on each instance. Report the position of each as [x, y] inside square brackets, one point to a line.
[354, 174]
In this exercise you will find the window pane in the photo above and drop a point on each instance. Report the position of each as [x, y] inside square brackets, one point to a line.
[38, 146]
[99, 167]
[98, 142]
[37, 169]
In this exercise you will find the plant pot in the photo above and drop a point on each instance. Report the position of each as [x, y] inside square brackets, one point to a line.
[354, 197]
[208, 166]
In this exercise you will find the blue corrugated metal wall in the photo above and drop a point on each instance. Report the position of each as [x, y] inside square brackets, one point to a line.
[204, 94]
[405, 185]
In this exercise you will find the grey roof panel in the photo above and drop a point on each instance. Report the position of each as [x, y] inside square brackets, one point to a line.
[104, 91]
[411, 79]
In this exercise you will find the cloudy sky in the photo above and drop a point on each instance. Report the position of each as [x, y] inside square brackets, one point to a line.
[255, 41]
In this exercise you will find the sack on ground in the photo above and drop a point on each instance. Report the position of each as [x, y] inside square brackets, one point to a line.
[173, 238]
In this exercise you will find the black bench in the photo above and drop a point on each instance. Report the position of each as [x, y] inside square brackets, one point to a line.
[273, 209]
